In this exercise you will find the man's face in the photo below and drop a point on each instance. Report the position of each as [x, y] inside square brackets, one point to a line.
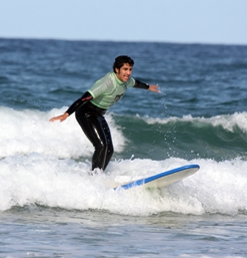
[124, 72]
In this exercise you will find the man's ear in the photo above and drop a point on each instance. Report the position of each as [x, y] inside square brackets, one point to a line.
[116, 70]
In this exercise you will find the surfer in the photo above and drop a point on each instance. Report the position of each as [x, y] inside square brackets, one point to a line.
[91, 107]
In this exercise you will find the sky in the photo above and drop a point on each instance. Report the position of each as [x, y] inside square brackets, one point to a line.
[177, 21]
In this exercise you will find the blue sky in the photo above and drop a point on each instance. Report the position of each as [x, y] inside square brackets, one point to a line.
[182, 21]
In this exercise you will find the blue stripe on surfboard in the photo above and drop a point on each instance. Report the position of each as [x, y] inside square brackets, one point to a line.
[157, 176]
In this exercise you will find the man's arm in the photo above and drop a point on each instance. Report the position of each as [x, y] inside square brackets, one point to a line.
[78, 103]
[142, 85]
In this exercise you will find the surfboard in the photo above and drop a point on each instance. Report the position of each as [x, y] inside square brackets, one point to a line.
[162, 179]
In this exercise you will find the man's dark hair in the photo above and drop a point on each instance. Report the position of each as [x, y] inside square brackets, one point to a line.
[121, 60]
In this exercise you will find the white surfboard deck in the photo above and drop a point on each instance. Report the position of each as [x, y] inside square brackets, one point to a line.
[162, 179]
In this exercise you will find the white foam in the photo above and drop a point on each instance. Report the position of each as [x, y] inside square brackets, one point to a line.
[27, 131]
[228, 122]
[32, 171]
[218, 187]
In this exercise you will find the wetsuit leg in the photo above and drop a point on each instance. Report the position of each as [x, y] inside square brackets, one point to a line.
[97, 131]
[110, 148]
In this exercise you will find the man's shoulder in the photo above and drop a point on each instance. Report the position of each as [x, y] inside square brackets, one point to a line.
[109, 77]
[130, 82]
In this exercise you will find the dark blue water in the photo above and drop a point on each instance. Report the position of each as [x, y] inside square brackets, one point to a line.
[199, 117]
[201, 80]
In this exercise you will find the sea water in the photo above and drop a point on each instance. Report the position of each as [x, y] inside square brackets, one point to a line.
[50, 203]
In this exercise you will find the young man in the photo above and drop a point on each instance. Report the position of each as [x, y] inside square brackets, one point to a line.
[91, 107]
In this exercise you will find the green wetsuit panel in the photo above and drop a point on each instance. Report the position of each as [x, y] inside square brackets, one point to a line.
[108, 90]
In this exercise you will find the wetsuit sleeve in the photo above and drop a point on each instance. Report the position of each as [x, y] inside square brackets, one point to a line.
[141, 85]
[78, 103]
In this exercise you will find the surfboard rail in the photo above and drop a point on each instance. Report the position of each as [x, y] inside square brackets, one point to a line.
[164, 178]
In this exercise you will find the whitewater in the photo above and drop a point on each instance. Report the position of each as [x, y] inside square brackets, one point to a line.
[48, 164]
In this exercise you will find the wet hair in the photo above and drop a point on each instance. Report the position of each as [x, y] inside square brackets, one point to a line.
[121, 60]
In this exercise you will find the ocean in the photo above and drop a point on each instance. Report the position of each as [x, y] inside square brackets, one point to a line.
[50, 204]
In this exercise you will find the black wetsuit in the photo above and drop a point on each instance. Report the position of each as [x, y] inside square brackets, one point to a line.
[92, 121]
